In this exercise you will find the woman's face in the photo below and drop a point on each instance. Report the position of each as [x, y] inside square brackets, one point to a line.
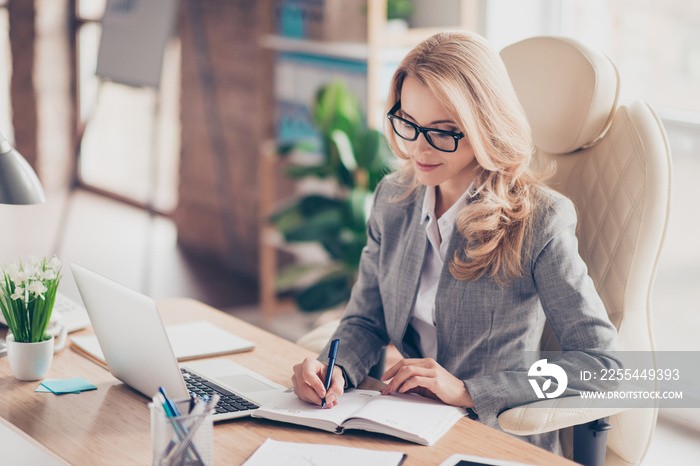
[453, 172]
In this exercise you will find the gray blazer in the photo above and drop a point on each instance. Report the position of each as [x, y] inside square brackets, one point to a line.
[484, 329]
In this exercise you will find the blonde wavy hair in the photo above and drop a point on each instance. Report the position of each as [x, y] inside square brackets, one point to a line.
[471, 82]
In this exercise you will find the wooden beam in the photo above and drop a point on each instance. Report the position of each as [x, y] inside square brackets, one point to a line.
[22, 34]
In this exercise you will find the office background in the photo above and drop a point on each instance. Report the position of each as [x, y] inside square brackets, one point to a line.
[133, 174]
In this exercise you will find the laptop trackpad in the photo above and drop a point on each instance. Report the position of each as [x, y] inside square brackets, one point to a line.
[244, 384]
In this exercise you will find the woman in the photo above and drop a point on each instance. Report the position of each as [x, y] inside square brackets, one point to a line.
[465, 246]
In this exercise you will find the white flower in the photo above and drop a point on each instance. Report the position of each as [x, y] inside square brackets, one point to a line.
[19, 277]
[54, 262]
[48, 274]
[18, 294]
[12, 268]
[37, 288]
[30, 281]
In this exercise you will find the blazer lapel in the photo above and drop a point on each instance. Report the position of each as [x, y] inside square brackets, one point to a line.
[450, 294]
[409, 272]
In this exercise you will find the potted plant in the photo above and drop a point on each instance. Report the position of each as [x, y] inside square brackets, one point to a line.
[398, 14]
[27, 295]
[355, 158]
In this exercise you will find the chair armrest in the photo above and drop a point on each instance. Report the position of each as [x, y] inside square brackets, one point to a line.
[548, 415]
[317, 338]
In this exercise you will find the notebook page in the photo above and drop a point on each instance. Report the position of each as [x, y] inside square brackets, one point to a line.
[422, 418]
[288, 407]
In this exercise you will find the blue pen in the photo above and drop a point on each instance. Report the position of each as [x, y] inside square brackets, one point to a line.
[171, 408]
[332, 354]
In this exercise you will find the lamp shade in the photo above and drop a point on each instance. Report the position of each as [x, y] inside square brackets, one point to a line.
[18, 182]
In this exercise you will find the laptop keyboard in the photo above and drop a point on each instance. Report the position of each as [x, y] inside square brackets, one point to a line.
[229, 402]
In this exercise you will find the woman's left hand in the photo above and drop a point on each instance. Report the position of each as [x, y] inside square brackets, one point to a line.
[427, 378]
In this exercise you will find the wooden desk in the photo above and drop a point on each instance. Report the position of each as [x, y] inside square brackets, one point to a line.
[111, 425]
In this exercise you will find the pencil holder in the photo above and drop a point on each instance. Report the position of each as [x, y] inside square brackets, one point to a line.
[182, 440]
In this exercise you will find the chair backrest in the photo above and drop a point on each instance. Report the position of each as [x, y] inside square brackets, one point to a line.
[613, 162]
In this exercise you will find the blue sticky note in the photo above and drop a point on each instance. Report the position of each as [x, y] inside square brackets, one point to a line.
[42, 389]
[74, 385]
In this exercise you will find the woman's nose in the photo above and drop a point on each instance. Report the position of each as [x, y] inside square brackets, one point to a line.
[420, 145]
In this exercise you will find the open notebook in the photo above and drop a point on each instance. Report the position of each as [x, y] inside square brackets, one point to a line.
[410, 417]
[189, 340]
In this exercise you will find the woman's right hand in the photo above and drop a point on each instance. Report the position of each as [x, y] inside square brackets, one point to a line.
[308, 381]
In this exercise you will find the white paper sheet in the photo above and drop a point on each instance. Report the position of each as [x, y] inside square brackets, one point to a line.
[307, 454]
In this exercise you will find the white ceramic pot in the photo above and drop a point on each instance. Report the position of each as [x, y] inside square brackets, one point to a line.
[30, 361]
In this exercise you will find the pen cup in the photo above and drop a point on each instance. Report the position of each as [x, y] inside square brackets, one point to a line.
[181, 440]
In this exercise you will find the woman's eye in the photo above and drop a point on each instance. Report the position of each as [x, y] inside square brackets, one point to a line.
[440, 136]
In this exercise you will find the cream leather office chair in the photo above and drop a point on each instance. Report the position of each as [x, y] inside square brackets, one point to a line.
[613, 162]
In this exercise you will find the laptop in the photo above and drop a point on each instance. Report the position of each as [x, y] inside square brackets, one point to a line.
[136, 348]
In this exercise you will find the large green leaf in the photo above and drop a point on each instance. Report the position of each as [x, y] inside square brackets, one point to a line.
[384, 163]
[359, 204]
[304, 171]
[336, 108]
[311, 218]
[287, 148]
[286, 216]
[304, 207]
[341, 174]
[316, 227]
[297, 276]
[345, 150]
[353, 244]
[330, 291]
[314, 203]
[367, 144]
[345, 247]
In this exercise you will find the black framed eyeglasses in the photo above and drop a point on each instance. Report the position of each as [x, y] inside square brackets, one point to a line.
[444, 141]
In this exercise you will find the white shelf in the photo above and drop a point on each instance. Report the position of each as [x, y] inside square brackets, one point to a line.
[347, 50]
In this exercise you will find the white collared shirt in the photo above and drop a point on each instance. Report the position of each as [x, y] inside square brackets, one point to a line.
[439, 232]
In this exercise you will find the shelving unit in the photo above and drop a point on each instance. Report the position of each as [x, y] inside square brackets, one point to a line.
[377, 57]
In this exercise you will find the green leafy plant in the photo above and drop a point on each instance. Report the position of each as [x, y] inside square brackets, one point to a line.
[399, 9]
[27, 296]
[356, 158]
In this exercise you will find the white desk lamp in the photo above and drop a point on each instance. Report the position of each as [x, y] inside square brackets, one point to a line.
[18, 185]
[18, 182]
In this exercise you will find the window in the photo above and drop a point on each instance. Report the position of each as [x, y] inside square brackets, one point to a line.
[655, 45]
[130, 147]
[508, 21]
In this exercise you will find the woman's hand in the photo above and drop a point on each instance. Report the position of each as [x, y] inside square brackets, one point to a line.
[427, 378]
[309, 382]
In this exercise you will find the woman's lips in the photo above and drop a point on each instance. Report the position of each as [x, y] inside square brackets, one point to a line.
[426, 167]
